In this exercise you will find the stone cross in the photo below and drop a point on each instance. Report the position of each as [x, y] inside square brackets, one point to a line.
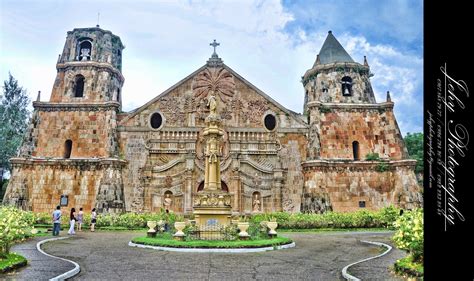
[214, 44]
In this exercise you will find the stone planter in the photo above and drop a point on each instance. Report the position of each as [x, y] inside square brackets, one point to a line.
[152, 228]
[272, 225]
[243, 226]
[179, 235]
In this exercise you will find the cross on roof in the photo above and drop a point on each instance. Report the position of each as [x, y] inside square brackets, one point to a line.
[214, 44]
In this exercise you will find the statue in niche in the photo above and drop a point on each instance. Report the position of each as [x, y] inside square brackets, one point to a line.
[167, 201]
[212, 104]
[256, 203]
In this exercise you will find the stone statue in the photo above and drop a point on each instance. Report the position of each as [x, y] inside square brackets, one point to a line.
[212, 103]
[256, 203]
[167, 201]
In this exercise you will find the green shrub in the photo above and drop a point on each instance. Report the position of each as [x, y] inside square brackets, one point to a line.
[381, 167]
[409, 234]
[359, 219]
[372, 157]
[15, 225]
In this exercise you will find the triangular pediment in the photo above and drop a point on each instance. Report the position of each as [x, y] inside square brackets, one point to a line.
[241, 104]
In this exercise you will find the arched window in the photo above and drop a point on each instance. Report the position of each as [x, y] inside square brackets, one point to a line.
[79, 86]
[346, 86]
[67, 149]
[85, 48]
[355, 150]
[118, 95]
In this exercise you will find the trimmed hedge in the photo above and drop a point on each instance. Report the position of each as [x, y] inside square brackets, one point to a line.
[163, 242]
[383, 218]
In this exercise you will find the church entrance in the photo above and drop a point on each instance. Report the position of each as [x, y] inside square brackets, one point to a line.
[224, 186]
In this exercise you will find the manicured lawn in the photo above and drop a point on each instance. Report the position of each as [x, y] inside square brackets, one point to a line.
[166, 242]
[11, 261]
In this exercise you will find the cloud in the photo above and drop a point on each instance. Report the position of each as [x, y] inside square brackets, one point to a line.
[269, 43]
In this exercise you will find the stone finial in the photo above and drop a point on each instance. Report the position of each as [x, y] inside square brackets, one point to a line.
[365, 61]
[59, 58]
[38, 98]
[318, 60]
[389, 99]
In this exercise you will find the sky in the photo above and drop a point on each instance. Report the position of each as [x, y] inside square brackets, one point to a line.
[269, 43]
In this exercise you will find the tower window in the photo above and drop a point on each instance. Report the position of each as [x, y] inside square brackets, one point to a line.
[355, 150]
[346, 86]
[79, 86]
[156, 120]
[270, 122]
[118, 95]
[85, 48]
[67, 149]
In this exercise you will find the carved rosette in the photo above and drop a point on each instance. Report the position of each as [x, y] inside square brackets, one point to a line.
[218, 80]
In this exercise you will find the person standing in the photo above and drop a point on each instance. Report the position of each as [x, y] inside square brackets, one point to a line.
[56, 221]
[80, 217]
[72, 220]
[93, 219]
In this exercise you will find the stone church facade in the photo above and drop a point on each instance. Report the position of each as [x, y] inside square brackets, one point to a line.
[81, 150]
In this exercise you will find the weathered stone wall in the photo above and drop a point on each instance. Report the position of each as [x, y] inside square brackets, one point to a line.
[323, 83]
[101, 83]
[42, 182]
[91, 132]
[346, 183]
[375, 129]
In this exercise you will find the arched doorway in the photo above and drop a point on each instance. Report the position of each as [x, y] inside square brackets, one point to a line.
[224, 186]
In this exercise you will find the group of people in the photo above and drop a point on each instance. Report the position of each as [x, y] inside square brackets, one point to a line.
[74, 219]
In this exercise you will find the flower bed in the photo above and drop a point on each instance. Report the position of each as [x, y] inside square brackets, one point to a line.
[208, 244]
[409, 237]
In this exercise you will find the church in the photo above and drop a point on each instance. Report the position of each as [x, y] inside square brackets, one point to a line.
[343, 153]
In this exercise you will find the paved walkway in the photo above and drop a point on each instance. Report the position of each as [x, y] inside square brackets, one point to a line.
[317, 256]
[40, 267]
[106, 256]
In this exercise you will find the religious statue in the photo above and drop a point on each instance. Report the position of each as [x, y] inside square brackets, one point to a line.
[167, 201]
[212, 104]
[256, 203]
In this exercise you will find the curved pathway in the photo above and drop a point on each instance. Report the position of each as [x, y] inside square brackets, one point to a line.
[40, 267]
[317, 256]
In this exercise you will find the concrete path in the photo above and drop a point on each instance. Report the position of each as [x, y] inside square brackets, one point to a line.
[317, 256]
[40, 267]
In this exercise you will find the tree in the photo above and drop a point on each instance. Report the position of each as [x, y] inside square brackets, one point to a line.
[414, 143]
[14, 116]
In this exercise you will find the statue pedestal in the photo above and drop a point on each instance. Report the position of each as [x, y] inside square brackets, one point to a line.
[210, 215]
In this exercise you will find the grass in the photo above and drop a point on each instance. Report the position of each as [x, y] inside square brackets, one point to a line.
[406, 266]
[164, 242]
[11, 261]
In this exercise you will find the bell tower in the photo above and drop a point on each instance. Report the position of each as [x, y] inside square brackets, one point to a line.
[73, 138]
[89, 68]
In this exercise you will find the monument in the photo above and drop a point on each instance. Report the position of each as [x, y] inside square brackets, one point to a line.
[212, 204]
